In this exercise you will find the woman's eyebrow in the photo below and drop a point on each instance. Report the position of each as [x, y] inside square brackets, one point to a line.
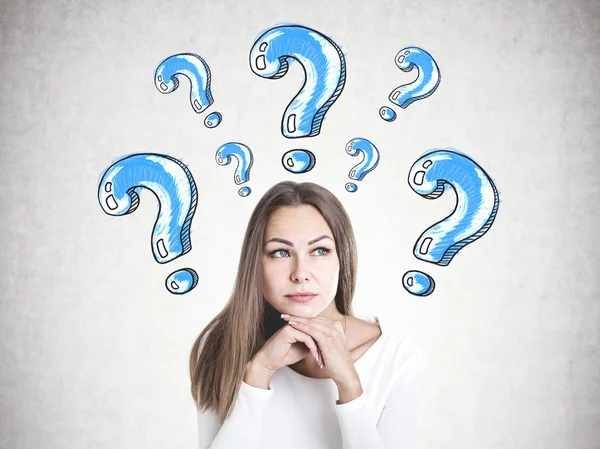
[287, 242]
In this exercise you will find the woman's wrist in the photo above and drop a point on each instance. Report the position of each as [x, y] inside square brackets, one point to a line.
[349, 393]
[257, 375]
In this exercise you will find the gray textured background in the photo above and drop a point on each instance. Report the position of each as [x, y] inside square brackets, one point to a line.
[94, 350]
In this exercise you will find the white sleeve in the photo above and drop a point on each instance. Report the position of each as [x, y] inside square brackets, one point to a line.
[243, 428]
[396, 425]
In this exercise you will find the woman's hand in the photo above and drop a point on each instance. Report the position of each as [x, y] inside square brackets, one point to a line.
[286, 347]
[337, 360]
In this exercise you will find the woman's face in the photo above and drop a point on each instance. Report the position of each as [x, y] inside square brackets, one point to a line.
[299, 255]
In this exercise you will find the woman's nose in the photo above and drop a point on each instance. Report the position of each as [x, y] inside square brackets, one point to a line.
[300, 271]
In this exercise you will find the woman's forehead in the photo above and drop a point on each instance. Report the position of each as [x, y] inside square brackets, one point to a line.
[301, 223]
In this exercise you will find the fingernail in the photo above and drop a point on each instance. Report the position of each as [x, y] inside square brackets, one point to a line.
[284, 315]
[292, 322]
[317, 357]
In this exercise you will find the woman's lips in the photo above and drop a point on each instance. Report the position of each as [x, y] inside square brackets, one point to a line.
[300, 298]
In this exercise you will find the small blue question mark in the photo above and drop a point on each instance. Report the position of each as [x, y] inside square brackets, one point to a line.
[355, 147]
[245, 159]
[174, 187]
[196, 70]
[476, 207]
[426, 83]
[324, 68]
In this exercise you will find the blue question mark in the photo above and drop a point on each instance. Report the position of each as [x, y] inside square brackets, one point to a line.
[196, 70]
[174, 187]
[370, 160]
[245, 159]
[476, 207]
[427, 81]
[324, 68]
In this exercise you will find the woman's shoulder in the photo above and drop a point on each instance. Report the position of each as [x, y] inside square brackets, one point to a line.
[399, 347]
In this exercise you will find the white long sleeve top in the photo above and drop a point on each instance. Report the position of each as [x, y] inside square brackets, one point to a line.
[301, 412]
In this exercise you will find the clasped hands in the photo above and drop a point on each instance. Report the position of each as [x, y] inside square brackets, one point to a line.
[335, 355]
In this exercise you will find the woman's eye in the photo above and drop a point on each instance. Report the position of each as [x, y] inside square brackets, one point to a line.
[323, 251]
[274, 253]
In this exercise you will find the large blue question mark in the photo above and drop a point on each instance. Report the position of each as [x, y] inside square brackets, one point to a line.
[476, 207]
[174, 187]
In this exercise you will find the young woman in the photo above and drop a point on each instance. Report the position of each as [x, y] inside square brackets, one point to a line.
[285, 364]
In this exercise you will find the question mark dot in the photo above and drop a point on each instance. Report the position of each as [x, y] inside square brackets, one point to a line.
[387, 114]
[351, 187]
[182, 281]
[298, 161]
[418, 283]
[213, 120]
[244, 191]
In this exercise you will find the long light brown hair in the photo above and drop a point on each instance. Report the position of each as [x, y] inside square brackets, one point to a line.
[224, 347]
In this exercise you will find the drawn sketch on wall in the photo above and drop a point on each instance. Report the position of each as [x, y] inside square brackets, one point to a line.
[427, 81]
[175, 189]
[244, 157]
[196, 70]
[474, 212]
[370, 153]
[324, 69]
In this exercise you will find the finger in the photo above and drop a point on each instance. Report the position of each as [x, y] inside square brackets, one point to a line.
[321, 324]
[321, 360]
[311, 330]
[319, 357]
[308, 341]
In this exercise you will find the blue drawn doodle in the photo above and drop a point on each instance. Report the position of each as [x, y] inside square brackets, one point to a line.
[370, 160]
[388, 114]
[428, 79]
[476, 205]
[173, 185]
[298, 161]
[418, 283]
[213, 120]
[196, 70]
[245, 159]
[324, 68]
[181, 281]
